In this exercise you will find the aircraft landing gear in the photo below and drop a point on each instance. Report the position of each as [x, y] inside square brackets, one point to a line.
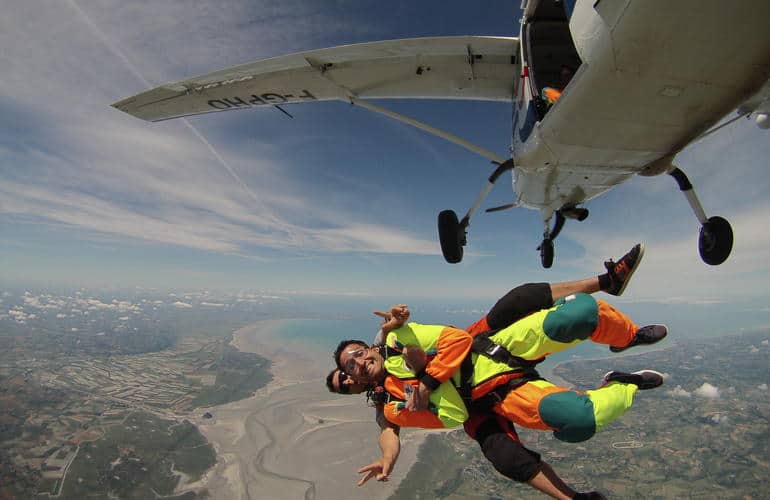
[546, 246]
[716, 236]
[452, 236]
[715, 241]
[451, 232]
[546, 253]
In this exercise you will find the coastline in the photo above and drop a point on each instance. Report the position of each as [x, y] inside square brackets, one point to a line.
[293, 438]
[551, 376]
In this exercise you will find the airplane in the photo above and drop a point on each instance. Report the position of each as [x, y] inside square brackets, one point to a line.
[601, 90]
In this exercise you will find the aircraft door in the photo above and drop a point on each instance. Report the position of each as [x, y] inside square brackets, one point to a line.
[549, 53]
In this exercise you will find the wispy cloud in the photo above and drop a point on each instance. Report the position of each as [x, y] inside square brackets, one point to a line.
[104, 172]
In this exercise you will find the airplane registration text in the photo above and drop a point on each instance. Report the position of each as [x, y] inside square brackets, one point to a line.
[270, 98]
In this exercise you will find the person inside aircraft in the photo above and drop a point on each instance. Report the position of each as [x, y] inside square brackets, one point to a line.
[552, 94]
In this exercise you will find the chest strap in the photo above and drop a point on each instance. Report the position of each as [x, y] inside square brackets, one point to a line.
[485, 346]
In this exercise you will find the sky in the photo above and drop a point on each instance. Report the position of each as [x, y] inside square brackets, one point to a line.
[335, 201]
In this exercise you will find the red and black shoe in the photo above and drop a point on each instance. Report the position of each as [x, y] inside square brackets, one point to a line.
[622, 270]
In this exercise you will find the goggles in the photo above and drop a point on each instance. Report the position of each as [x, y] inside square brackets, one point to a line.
[350, 364]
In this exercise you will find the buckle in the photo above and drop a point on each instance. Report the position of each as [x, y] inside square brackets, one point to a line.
[496, 398]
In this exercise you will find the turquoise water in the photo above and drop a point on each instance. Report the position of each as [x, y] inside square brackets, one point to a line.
[327, 333]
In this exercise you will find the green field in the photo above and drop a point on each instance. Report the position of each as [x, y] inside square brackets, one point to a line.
[139, 459]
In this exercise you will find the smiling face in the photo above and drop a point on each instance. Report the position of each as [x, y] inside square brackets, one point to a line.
[363, 363]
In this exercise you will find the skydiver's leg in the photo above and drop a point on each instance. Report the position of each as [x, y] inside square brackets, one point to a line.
[572, 416]
[614, 327]
[548, 482]
[532, 297]
[501, 446]
[588, 285]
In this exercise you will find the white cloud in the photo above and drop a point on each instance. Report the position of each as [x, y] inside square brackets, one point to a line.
[719, 418]
[678, 392]
[707, 391]
[18, 315]
[762, 387]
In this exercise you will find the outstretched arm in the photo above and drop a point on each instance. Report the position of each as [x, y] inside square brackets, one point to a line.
[390, 445]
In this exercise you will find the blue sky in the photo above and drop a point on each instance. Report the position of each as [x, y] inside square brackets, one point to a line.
[335, 201]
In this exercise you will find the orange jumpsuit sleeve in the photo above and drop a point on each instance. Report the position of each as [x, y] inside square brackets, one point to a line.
[452, 347]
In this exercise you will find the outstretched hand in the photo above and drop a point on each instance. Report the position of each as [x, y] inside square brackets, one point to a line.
[395, 318]
[376, 470]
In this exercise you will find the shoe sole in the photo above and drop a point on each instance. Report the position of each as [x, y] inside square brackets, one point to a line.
[632, 271]
[621, 349]
[633, 373]
[650, 371]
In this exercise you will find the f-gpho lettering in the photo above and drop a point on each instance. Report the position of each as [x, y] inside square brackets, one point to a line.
[270, 98]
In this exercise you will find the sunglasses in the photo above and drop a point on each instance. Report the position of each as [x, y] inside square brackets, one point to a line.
[350, 364]
[341, 378]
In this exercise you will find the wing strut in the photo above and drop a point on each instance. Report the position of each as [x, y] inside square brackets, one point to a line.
[431, 130]
[353, 99]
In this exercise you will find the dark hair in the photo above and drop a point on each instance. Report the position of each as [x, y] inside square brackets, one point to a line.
[341, 347]
[330, 381]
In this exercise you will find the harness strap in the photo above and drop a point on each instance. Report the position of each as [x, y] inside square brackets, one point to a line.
[378, 395]
[488, 401]
[466, 374]
[483, 345]
[387, 351]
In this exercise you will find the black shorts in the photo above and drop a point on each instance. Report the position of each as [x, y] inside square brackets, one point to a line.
[519, 303]
[500, 444]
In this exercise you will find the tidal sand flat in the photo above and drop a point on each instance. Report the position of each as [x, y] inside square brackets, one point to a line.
[294, 439]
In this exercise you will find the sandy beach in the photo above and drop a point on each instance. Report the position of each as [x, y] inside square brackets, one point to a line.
[293, 439]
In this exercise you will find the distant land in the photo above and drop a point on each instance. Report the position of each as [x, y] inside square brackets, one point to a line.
[101, 392]
[704, 434]
[96, 391]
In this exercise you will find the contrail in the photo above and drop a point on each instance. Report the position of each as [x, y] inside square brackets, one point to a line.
[116, 51]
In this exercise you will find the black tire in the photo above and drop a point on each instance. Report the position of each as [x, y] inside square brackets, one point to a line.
[715, 241]
[451, 236]
[546, 253]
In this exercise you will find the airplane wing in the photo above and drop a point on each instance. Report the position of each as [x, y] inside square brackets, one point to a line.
[457, 67]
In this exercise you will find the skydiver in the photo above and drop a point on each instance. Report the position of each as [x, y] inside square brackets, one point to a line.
[493, 430]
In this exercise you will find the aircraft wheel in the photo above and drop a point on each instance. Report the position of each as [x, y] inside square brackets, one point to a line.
[715, 241]
[451, 236]
[546, 253]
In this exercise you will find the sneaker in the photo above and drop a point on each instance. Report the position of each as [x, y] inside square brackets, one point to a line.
[621, 271]
[645, 335]
[644, 379]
